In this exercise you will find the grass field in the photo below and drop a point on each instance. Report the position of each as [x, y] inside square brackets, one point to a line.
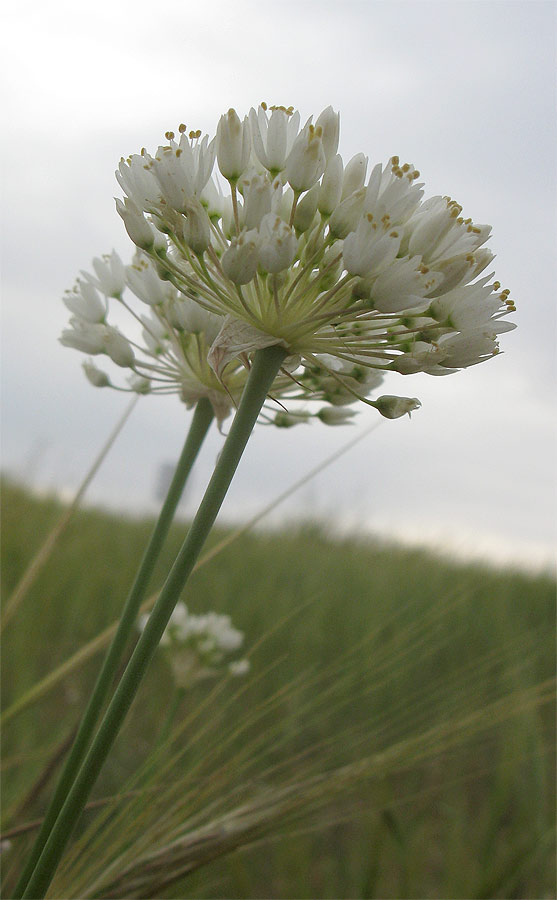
[394, 737]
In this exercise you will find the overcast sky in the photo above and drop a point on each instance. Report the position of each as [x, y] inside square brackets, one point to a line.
[463, 90]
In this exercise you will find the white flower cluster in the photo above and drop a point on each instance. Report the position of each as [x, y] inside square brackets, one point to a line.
[353, 277]
[198, 645]
[311, 254]
[169, 354]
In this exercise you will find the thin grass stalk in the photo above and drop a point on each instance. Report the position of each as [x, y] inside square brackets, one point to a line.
[85, 653]
[264, 370]
[43, 554]
[201, 421]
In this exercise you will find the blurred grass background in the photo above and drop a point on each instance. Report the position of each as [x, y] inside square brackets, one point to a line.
[432, 676]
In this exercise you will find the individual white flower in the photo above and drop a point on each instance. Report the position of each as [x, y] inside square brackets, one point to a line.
[403, 285]
[138, 183]
[438, 232]
[84, 301]
[469, 348]
[83, 336]
[97, 339]
[467, 306]
[274, 135]
[142, 279]
[110, 274]
[370, 248]
[393, 193]
[182, 169]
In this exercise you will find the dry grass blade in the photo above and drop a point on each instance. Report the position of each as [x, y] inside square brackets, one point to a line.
[278, 808]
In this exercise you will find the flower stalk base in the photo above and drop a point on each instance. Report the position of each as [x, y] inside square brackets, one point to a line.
[265, 367]
[201, 421]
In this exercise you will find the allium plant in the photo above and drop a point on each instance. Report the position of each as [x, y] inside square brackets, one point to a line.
[311, 281]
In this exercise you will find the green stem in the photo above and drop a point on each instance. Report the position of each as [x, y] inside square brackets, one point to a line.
[265, 367]
[202, 418]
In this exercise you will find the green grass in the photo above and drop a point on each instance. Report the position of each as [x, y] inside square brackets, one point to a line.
[427, 669]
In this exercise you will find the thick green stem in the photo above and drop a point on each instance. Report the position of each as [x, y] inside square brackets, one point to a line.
[202, 418]
[265, 367]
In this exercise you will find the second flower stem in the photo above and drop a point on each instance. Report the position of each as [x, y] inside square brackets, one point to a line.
[201, 421]
[265, 367]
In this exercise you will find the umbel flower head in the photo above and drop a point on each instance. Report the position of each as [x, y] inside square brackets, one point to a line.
[348, 272]
[167, 343]
[197, 646]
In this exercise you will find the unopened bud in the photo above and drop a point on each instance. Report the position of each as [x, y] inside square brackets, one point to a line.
[97, 377]
[395, 407]
[197, 228]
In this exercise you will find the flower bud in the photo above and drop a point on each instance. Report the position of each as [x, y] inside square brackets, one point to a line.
[140, 385]
[213, 200]
[233, 145]
[306, 209]
[306, 161]
[258, 194]
[278, 244]
[354, 175]
[331, 186]
[118, 347]
[346, 216]
[335, 415]
[197, 228]
[137, 226]
[239, 262]
[329, 122]
[288, 420]
[94, 375]
[395, 407]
